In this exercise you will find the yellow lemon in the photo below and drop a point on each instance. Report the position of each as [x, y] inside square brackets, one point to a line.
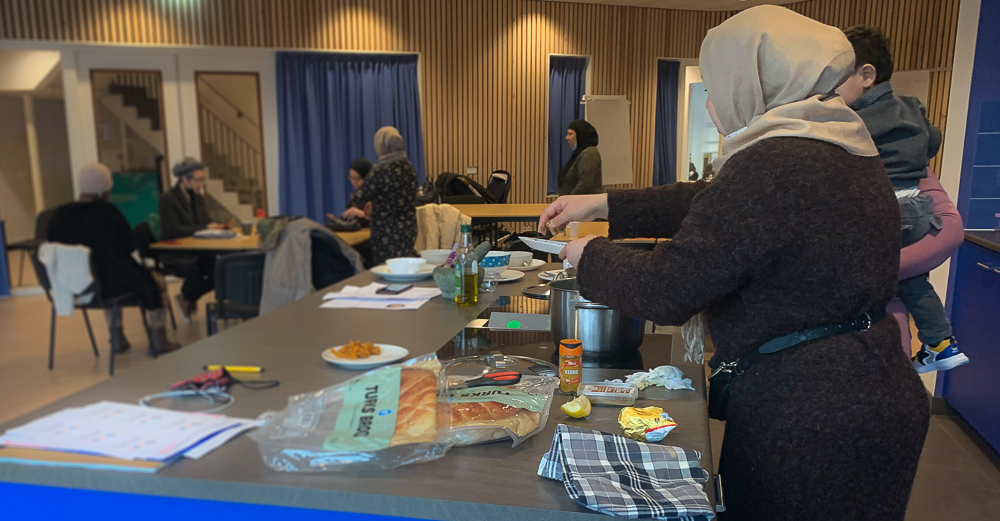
[578, 408]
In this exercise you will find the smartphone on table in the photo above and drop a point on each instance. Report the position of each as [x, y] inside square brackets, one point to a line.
[394, 289]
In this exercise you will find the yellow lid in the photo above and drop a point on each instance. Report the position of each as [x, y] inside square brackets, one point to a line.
[571, 347]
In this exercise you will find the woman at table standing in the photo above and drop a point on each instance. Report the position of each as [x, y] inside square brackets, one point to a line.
[391, 189]
[798, 230]
[582, 173]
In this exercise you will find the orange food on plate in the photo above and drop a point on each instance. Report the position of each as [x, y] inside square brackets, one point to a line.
[354, 350]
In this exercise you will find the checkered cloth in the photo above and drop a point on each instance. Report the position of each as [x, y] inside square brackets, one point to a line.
[627, 478]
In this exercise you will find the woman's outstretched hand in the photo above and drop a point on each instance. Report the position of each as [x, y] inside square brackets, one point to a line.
[569, 208]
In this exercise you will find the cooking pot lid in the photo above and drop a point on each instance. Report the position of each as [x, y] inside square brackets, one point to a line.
[475, 366]
[540, 292]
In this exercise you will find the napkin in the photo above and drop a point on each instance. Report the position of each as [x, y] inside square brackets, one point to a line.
[627, 478]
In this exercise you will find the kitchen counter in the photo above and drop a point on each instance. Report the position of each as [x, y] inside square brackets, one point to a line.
[485, 482]
[986, 239]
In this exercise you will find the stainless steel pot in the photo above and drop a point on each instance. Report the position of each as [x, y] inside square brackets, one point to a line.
[603, 331]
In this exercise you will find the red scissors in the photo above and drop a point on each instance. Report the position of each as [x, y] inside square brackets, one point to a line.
[502, 378]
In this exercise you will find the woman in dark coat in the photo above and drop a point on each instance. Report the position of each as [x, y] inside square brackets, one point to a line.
[798, 230]
[582, 173]
[391, 188]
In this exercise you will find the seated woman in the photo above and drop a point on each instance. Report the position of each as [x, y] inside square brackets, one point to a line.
[582, 173]
[93, 222]
[357, 173]
[391, 190]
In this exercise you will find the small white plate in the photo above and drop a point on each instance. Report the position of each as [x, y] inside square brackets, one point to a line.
[389, 354]
[510, 276]
[544, 244]
[425, 272]
[533, 265]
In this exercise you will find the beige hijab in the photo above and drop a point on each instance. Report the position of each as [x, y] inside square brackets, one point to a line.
[389, 146]
[774, 72]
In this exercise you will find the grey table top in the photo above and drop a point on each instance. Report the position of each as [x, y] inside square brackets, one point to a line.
[492, 481]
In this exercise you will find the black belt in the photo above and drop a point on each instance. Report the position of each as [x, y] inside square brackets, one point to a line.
[724, 372]
[862, 323]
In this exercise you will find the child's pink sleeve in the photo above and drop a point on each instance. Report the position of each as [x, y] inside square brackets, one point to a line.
[931, 251]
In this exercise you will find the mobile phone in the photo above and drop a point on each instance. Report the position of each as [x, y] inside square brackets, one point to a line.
[394, 289]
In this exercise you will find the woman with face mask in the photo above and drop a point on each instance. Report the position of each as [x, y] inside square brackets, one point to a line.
[582, 173]
[796, 241]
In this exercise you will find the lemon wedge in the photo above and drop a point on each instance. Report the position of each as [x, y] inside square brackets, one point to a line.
[578, 408]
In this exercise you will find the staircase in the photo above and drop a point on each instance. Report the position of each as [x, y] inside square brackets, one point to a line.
[234, 166]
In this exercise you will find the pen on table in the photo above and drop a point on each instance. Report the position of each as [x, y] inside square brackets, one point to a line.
[236, 368]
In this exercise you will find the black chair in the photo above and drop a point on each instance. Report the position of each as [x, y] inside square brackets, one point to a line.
[97, 302]
[239, 282]
[499, 185]
[143, 241]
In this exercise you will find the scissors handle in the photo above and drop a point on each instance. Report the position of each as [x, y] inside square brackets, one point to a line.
[501, 378]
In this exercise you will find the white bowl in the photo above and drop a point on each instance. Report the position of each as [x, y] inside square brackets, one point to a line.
[405, 265]
[520, 259]
[436, 257]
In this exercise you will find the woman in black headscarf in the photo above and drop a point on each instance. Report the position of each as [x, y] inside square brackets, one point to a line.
[358, 172]
[582, 173]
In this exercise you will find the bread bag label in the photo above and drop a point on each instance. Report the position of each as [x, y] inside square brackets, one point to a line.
[512, 397]
[368, 417]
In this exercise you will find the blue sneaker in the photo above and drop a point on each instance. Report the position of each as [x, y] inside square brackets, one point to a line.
[941, 357]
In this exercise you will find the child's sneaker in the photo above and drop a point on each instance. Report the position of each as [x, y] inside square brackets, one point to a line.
[941, 357]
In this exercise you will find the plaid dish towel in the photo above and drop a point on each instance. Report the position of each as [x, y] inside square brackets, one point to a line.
[627, 478]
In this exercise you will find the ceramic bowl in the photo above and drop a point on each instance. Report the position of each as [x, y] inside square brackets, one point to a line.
[520, 259]
[435, 257]
[405, 265]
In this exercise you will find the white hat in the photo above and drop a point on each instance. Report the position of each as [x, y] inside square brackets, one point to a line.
[95, 179]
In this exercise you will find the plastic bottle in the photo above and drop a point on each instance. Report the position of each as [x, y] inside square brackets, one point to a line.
[570, 364]
[466, 270]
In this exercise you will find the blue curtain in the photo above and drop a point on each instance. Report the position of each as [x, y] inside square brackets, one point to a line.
[665, 142]
[329, 107]
[567, 84]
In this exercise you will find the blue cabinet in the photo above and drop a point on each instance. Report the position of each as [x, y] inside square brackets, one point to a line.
[974, 389]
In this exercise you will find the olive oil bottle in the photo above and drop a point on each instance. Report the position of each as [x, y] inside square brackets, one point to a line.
[466, 270]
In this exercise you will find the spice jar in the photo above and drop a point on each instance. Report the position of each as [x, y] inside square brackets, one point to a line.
[570, 364]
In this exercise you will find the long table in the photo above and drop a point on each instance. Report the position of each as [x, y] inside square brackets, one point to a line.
[600, 229]
[240, 243]
[486, 482]
[487, 217]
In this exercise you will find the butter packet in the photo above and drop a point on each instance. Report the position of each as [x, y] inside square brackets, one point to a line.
[649, 424]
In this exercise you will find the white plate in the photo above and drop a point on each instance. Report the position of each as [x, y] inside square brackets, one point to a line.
[383, 271]
[510, 276]
[533, 265]
[544, 245]
[214, 234]
[389, 354]
[550, 275]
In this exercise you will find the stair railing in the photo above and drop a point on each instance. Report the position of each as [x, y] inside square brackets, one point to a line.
[238, 152]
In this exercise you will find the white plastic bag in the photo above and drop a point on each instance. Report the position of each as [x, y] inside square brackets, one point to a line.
[486, 414]
[382, 419]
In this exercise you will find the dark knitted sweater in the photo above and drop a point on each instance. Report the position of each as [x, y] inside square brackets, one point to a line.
[793, 233]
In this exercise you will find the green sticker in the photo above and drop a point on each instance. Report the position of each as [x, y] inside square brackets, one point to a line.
[513, 397]
[368, 417]
[513, 324]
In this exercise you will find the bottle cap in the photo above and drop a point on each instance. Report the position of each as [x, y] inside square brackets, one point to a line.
[466, 228]
[571, 347]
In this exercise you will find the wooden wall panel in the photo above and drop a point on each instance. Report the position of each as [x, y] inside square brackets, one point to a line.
[484, 63]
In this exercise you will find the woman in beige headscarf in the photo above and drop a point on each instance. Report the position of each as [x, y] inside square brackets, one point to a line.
[392, 191]
[799, 230]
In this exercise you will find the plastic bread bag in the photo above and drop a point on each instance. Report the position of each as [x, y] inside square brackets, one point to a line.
[379, 420]
[485, 414]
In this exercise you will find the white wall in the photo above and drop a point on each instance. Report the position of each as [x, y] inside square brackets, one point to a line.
[15, 175]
